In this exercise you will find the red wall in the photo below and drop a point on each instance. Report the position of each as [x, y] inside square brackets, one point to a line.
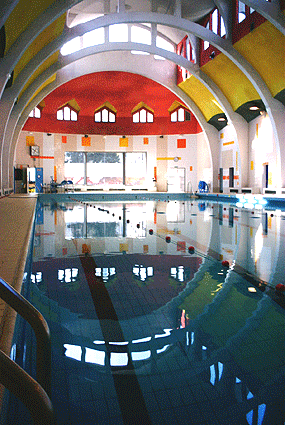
[124, 91]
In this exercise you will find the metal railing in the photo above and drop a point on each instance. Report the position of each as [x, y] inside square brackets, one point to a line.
[29, 391]
[18, 378]
[189, 188]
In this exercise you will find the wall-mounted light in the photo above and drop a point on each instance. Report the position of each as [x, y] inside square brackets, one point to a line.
[123, 137]
[86, 135]
[161, 137]
[49, 134]
[212, 54]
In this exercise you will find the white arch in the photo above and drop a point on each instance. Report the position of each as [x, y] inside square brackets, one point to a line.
[18, 116]
[65, 61]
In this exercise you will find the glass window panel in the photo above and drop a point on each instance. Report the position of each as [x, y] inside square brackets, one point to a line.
[149, 117]
[142, 115]
[105, 115]
[112, 117]
[98, 117]
[74, 167]
[118, 33]
[251, 10]
[173, 116]
[104, 168]
[241, 11]
[31, 114]
[37, 112]
[135, 168]
[73, 115]
[71, 46]
[140, 35]
[59, 115]
[136, 117]
[187, 116]
[188, 50]
[215, 21]
[66, 113]
[93, 38]
[164, 44]
[206, 45]
[223, 28]
[180, 114]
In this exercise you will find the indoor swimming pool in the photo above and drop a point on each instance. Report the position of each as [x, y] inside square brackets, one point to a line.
[161, 312]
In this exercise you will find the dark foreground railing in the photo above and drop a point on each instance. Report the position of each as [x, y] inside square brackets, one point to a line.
[29, 391]
[19, 382]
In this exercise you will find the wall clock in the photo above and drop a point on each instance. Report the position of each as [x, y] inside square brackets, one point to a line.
[35, 150]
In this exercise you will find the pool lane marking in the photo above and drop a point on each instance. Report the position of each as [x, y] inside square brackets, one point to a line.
[129, 394]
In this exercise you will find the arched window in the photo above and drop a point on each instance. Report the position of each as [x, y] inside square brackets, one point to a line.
[178, 112]
[68, 112]
[216, 24]
[36, 112]
[105, 113]
[142, 113]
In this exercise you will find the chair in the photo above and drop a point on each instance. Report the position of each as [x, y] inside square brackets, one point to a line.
[203, 187]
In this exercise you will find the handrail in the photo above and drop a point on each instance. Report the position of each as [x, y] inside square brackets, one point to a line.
[40, 327]
[189, 184]
[29, 391]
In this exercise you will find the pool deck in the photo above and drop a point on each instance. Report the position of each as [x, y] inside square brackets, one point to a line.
[16, 218]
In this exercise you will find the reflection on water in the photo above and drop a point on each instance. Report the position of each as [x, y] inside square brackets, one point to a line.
[134, 311]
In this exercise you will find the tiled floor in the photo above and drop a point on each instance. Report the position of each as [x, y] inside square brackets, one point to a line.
[163, 337]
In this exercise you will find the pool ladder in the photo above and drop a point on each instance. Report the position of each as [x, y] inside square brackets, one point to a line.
[190, 190]
[33, 393]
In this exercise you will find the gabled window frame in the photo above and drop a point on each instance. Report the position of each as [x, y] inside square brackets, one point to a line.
[36, 111]
[67, 109]
[101, 115]
[177, 116]
[142, 114]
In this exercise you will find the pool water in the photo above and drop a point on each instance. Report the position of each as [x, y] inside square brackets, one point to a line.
[146, 331]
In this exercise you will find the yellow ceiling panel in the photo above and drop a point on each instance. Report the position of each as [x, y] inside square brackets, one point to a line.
[202, 97]
[227, 76]
[262, 49]
[23, 14]
[50, 80]
[47, 63]
[49, 34]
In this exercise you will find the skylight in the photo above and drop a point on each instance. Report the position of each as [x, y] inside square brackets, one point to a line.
[71, 46]
[118, 33]
[93, 38]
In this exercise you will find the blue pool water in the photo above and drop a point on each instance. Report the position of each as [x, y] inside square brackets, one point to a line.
[145, 331]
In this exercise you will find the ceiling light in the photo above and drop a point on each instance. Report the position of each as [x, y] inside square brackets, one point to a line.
[221, 119]
[254, 108]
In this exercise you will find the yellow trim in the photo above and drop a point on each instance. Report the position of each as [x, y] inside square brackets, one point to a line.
[50, 80]
[47, 63]
[71, 103]
[176, 105]
[264, 49]
[168, 158]
[201, 96]
[231, 80]
[140, 106]
[106, 105]
[228, 143]
[49, 34]
[21, 17]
